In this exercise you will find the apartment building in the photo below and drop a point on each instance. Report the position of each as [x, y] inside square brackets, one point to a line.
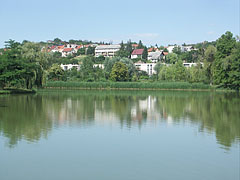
[107, 50]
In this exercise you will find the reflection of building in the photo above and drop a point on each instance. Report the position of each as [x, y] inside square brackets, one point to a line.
[145, 109]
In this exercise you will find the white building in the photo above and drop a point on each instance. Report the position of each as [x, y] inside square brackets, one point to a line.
[67, 51]
[186, 48]
[170, 48]
[101, 66]
[66, 67]
[155, 56]
[147, 67]
[107, 50]
[187, 65]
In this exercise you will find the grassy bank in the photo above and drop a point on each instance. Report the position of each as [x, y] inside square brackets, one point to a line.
[127, 85]
[16, 91]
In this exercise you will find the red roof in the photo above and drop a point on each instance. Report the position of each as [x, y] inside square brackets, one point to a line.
[134, 45]
[80, 46]
[61, 47]
[53, 47]
[165, 53]
[137, 52]
[151, 49]
[67, 50]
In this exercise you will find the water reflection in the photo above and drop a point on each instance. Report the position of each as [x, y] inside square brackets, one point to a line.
[32, 117]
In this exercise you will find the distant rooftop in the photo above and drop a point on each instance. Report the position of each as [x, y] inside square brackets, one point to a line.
[137, 52]
[100, 47]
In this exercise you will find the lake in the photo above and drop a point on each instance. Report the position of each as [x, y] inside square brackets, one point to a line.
[120, 135]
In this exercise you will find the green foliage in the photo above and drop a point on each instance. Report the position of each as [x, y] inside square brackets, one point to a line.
[108, 65]
[57, 41]
[175, 72]
[209, 54]
[122, 52]
[165, 50]
[140, 45]
[225, 68]
[90, 50]
[130, 66]
[177, 50]
[127, 85]
[172, 58]
[81, 51]
[196, 74]
[55, 73]
[145, 53]
[87, 70]
[22, 66]
[119, 72]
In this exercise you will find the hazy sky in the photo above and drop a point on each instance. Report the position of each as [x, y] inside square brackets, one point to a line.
[153, 21]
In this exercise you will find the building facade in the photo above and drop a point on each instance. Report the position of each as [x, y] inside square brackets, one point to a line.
[106, 50]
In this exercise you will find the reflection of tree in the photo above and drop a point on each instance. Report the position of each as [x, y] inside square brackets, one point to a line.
[31, 117]
[24, 121]
[213, 112]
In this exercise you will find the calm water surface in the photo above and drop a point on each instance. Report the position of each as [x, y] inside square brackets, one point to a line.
[120, 135]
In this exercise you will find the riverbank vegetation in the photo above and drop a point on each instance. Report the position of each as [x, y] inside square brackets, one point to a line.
[29, 65]
[126, 85]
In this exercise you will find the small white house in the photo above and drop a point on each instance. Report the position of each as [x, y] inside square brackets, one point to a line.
[67, 51]
[66, 67]
[155, 56]
[187, 65]
[137, 53]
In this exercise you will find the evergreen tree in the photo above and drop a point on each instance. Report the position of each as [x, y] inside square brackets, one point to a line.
[145, 53]
[140, 45]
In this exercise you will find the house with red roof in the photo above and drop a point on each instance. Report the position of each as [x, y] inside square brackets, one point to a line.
[67, 51]
[137, 53]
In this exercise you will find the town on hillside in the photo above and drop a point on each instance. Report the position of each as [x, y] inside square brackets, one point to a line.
[144, 58]
[213, 63]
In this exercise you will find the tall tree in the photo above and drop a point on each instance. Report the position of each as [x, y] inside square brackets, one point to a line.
[119, 72]
[140, 45]
[145, 53]
[129, 48]
[222, 66]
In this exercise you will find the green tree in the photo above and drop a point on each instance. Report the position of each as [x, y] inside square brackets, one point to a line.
[145, 53]
[122, 52]
[90, 50]
[57, 41]
[209, 54]
[119, 72]
[108, 65]
[87, 69]
[130, 66]
[81, 51]
[222, 66]
[140, 45]
[157, 68]
[129, 48]
[55, 73]
[165, 50]
[177, 50]
[172, 58]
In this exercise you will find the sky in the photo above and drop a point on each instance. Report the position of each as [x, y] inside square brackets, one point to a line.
[154, 21]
